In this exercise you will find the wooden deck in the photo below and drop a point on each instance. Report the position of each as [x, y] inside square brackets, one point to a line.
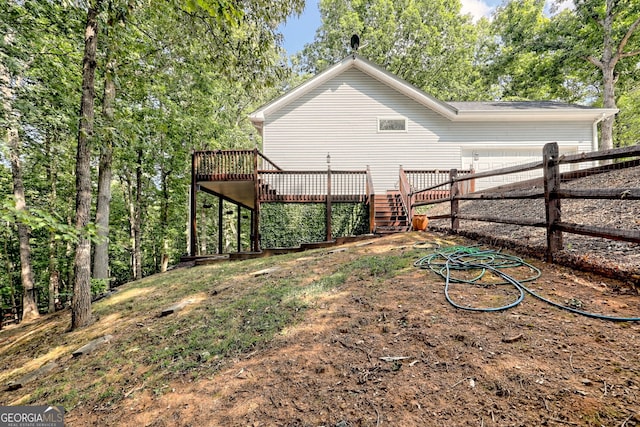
[248, 179]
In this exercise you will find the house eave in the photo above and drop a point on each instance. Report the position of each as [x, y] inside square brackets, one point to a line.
[353, 61]
[452, 112]
[535, 115]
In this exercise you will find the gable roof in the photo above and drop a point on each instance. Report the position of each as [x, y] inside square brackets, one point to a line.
[454, 111]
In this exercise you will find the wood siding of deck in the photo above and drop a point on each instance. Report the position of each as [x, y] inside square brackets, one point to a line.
[340, 118]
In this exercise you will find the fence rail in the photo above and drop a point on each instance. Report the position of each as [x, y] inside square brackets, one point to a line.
[551, 192]
[426, 185]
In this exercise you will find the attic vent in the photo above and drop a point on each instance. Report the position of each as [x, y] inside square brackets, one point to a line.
[396, 124]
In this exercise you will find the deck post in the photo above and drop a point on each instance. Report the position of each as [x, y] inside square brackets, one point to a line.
[193, 230]
[329, 234]
[239, 229]
[551, 167]
[472, 183]
[455, 221]
[255, 213]
[220, 223]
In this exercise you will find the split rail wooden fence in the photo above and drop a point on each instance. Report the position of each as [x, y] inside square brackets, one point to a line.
[551, 192]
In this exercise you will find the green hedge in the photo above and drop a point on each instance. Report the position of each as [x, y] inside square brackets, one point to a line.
[291, 224]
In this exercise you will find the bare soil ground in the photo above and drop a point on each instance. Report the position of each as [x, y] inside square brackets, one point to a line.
[391, 351]
[385, 348]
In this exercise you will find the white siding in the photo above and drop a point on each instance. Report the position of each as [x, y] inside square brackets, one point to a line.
[340, 117]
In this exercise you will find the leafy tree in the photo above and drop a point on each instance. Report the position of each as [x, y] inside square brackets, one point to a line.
[627, 130]
[81, 302]
[608, 38]
[35, 95]
[577, 55]
[524, 64]
[173, 78]
[428, 43]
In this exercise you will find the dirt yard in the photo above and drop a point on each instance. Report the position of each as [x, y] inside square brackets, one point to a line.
[389, 350]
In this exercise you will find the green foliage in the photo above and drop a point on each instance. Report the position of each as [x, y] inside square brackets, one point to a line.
[290, 224]
[531, 60]
[187, 74]
[99, 286]
[349, 219]
[426, 42]
[627, 131]
[587, 54]
[224, 11]
[39, 219]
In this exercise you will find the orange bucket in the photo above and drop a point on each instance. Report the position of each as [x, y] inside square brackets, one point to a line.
[420, 222]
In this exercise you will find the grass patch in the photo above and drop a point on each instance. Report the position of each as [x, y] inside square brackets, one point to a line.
[233, 313]
[380, 267]
[214, 332]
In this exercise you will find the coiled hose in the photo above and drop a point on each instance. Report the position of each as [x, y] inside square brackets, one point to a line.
[470, 265]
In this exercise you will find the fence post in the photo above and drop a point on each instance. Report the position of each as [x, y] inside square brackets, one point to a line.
[551, 167]
[453, 194]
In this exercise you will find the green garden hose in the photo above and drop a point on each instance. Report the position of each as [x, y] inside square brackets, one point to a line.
[470, 265]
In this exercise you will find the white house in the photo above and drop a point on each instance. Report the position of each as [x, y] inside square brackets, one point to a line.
[364, 116]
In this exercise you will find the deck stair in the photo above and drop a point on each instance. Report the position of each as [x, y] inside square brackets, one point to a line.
[391, 216]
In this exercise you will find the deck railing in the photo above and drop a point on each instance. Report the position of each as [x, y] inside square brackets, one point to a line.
[312, 186]
[230, 165]
[426, 184]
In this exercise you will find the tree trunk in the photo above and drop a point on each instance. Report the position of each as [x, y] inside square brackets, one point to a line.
[613, 51]
[9, 266]
[607, 66]
[164, 220]
[101, 252]
[137, 220]
[127, 182]
[54, 272]
[54, 277]
[29, 303]
[609, 101]
[29, 300]
[81, 301]
[68, 266]
[203, 231]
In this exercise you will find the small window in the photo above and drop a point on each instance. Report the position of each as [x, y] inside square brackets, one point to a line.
[398, 124]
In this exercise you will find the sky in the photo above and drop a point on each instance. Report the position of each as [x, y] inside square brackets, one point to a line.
[301, 30]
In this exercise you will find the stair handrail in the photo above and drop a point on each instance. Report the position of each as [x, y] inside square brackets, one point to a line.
[266, 160]
[372, 201]
[405, 195]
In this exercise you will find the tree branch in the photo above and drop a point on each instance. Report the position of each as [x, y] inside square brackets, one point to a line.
[625, 40]
[595, 61]
[628, 54]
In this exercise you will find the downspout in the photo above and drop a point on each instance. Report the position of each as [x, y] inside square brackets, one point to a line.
[594, 137]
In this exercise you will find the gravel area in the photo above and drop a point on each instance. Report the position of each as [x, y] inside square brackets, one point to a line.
[612, 258]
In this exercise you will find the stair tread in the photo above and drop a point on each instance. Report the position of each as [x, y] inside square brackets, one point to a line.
[390, 214]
